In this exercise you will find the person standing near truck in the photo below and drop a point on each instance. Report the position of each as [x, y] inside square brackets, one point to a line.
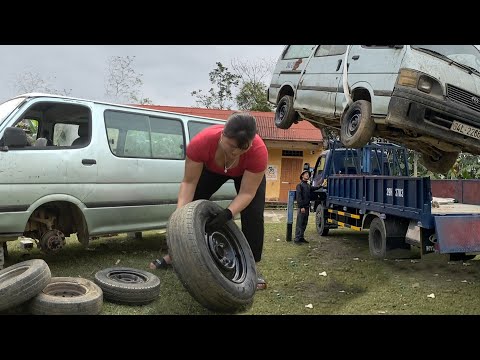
[303, 202]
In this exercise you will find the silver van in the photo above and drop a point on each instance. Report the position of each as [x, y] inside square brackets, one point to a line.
[70, 166]
[425, 97]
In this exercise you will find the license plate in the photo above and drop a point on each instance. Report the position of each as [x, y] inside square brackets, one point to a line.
[465, 129]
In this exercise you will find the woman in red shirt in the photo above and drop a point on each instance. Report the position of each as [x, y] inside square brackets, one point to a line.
[217, 154]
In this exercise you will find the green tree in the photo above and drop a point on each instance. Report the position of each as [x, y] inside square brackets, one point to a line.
[253, 97]
[220, 95]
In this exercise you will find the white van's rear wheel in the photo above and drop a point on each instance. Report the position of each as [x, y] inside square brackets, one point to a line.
[285, 116]
[357, 125]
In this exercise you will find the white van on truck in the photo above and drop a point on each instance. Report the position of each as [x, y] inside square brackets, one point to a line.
[71, 165]
[425, 97]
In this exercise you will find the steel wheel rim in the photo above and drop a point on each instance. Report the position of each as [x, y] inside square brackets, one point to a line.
[227, 254]
[377, 240]
[65, 290]
[354, 123]
[129, 277]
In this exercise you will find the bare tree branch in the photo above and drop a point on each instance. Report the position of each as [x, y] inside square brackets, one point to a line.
[122, 83]
[31, 81]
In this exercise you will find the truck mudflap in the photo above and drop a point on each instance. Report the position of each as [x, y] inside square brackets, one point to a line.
[457, 233]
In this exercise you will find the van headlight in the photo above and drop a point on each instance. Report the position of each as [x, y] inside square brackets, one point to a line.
[421, 81]
[429, 85]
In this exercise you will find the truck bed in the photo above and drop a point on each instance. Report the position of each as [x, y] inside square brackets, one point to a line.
[456, 208]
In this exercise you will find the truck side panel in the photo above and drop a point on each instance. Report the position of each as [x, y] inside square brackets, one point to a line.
[405, 197]
[457, 233]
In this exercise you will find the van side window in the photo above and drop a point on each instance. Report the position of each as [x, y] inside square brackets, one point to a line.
[49, 125]
[136, 135]
[30, 127]
[194, 127]
[329, 50]
[298, 51]
[167, 138]
[66, 134]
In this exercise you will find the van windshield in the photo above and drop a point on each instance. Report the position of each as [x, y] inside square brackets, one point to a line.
[467, 55]
[8, 106]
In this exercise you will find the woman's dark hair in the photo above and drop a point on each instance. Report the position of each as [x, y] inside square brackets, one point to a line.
[242, 127]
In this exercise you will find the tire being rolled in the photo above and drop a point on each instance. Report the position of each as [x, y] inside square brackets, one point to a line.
[217, 269]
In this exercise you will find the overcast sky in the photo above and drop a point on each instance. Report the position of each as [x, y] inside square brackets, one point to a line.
[170, 72]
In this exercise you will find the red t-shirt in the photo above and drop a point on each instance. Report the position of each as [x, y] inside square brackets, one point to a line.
[203, 146]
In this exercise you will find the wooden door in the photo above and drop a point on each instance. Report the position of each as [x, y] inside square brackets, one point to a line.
[290, 177]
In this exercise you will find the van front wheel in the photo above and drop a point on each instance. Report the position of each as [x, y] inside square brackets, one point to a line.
[285, 116]
[357, 124]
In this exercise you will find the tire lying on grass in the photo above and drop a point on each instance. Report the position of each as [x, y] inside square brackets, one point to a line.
[22, 281]
[217, 269]
[128, 286]
[68, 296]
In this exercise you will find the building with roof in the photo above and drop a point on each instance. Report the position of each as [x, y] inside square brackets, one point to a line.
[288, 150]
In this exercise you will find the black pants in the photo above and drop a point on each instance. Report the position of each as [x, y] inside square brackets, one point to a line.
[251, 216]
[302, 222]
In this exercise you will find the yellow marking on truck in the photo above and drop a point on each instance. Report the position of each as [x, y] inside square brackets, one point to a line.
[342, 213]
[341, 224]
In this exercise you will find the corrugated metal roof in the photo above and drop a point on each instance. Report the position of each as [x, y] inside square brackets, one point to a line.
[303, 131]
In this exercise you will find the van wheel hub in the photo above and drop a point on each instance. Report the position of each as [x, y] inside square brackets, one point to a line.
[52, 241]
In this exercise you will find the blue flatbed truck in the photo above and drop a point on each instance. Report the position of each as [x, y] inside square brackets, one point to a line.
[370, 188]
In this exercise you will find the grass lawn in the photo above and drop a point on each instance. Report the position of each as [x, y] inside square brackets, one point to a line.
[354, 282]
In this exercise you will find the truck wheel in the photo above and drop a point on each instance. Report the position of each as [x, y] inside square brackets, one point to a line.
[128, 286]
[377, 239]
[68, 296]
[285, 116]
[320, 221]
[218, 268]
[440, 165]
[357, 125]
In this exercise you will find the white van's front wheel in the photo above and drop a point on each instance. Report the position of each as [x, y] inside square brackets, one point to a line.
[285, 116]
[357, 125]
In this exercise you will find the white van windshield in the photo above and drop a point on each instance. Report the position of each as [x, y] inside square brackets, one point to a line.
[467, 55]
[8, 106]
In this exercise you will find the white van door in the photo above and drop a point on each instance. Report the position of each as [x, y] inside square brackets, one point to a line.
[28, 174]
[375, 68]
[139, 174]
[77, 144]
[290, 66]
[320, 81]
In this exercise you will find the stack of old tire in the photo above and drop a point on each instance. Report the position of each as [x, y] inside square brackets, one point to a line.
[31, 281]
